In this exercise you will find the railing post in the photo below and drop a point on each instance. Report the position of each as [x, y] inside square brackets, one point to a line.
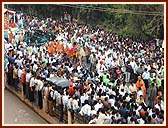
[69, 117]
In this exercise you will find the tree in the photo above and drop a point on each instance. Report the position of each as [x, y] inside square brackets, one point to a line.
[136, 20]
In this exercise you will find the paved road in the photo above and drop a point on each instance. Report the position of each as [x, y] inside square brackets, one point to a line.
[16, 112]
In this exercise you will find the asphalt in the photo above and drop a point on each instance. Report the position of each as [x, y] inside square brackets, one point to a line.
[46, 117]
[16, 112]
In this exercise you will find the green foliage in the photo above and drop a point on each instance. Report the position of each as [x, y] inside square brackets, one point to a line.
[136, 20]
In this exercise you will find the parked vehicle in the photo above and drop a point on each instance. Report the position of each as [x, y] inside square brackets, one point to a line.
[59, 83]
[38, 37]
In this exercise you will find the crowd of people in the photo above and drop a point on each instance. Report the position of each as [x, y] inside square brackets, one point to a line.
[113, 79]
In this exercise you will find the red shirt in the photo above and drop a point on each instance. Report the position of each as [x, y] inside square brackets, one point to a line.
[23, 77]
[71, 90]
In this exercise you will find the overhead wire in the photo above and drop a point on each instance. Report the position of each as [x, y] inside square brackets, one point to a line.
[129, 10]
[112, 10]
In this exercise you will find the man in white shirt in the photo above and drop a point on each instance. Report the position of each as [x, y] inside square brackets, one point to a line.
[133, 63]
[70, 68]
[8, 46]
[65, 100]
[86, 109]
[98, 105]
[75, 105]
[108, 61]
[28, 76]
[139, 93]
[102, 118]
[33, 57]
[20, 72]
[145, 77]
[35, 66]
[100, 67]
[45, 94]
[40, 84]
[140, 121]
[17, 38]
[111, 100]
[117, 116]
[19, 61]
[32, 88]
[93, 120]
[93, 62]
[19, 52]
[132, 88]
[82, 99]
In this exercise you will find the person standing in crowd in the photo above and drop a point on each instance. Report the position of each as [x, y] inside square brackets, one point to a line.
[93, 120]
[140, 84]
[140, 99]
[36, 90]
[10, 73]
[140, 70]
[35, 66]
[132, 88]
[159, 95]
[93, 62]
[15, 77]
[159, 81]
[129, 72]
[98, 105]
[86, 110]
[6, 63]
[134, 67]
[20, 71]
[40, 84]
[60, 104]
[82, 55]
[17, 38]
[153, 119]
[145, 77]
[45, 97]
[23, 81]
[102, 117]
[32, 87]
[71, 90]
[21, 38]
[27, 90]
[11, 37]
[151, 78]
[50, 102]
[75, 104]
[106, 104]
[93, 93]
[152, 95]
[65, 100]
[70, 109]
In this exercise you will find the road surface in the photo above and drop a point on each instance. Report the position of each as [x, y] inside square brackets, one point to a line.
[16, 112]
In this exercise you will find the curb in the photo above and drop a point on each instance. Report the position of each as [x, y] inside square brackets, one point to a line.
[33, 107]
